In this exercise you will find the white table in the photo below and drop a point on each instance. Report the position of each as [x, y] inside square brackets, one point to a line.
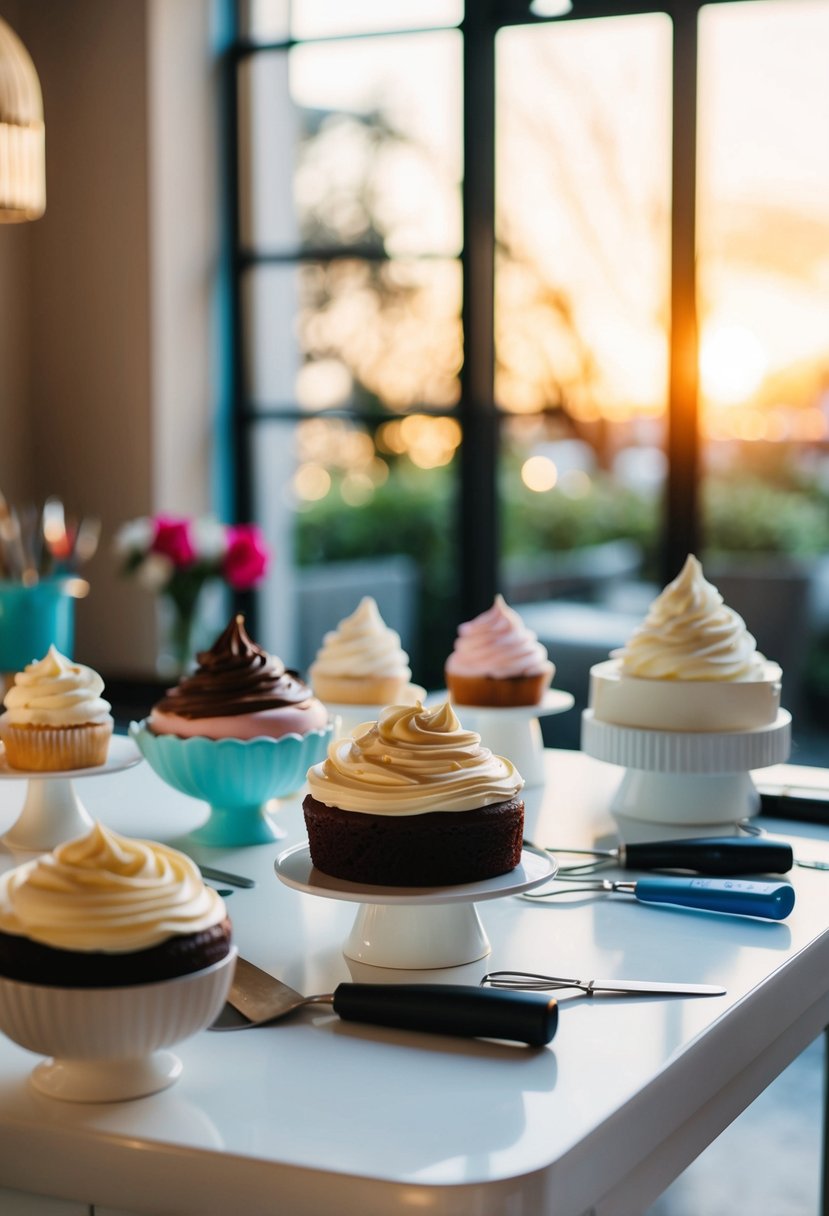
[316, 1116]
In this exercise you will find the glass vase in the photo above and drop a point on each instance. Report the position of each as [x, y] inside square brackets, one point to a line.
[179, 637]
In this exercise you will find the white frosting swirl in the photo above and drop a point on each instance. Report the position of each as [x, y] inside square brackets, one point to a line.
[106, 892]
[497, 644]
[413, 760]
[689, 634]
[54, 691]
[362, 645]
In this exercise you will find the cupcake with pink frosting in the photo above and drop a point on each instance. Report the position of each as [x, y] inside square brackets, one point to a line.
[497, 661]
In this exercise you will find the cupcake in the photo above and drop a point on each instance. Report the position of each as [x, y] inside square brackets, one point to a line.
[238, 691]
[362, 662]
[692, 665]
[497, 661]
[105, 911]
[111, 949]
[55, 717]
[415, 800]
[238, 733]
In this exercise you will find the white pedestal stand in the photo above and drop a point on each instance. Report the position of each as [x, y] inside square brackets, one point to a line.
[415, 928]
[684, 777]
[516, 732]
[52, 811]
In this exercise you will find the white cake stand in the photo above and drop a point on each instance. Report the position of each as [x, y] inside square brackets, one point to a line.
[514, 732]
[415, 928]
[52, 811]
[687, 777]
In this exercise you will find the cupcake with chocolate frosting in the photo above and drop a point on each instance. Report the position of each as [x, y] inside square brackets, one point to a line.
[238, 691]
[240, 731]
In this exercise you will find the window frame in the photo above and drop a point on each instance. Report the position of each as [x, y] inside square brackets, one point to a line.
[480, 418]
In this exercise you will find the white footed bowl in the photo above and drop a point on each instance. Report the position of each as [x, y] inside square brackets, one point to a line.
[105, 1044]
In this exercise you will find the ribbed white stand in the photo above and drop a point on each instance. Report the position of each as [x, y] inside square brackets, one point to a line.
[685, 777]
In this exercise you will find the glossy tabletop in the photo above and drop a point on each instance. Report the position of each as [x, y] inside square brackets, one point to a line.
[315, 1115]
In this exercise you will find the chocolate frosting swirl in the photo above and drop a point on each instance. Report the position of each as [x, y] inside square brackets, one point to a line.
[234, 677]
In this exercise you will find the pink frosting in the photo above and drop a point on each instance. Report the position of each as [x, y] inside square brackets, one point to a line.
[497, 643]
[270, 723]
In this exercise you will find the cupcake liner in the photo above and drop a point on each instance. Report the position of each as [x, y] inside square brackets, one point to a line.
[43, 749]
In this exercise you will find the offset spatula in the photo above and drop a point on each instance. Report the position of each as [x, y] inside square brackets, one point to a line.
[257, 998]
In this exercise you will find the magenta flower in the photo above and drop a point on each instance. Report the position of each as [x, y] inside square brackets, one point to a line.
[173, 539]
[246, 560]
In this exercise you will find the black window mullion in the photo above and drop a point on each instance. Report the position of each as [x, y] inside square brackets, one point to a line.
[478, 532]
[681, 531]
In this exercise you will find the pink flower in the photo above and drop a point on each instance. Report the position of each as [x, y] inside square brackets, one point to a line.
[173, 539]
[247, 557]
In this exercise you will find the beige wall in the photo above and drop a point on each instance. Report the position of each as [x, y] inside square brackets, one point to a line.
[105, 378]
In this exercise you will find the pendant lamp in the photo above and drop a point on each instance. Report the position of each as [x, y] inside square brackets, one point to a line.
[22, 133]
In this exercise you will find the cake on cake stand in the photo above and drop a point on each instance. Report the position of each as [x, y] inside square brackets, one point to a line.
[415, 928]
[52, 811]
[687, 777]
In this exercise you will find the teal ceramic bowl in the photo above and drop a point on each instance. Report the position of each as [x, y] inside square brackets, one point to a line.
[236, 777]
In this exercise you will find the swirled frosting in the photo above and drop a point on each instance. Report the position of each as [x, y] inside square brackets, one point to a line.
[54, 691]
[362, 645]
[690, 634]
[106, 892]
[234, 677]
[410, 761]
[497, 643]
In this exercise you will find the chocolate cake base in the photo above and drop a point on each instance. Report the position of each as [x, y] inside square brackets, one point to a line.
[31, 962]
[436, 849]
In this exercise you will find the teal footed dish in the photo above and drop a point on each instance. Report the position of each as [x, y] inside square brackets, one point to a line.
[237, 778]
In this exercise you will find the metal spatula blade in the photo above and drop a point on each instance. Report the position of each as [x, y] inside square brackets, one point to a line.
[257, 999]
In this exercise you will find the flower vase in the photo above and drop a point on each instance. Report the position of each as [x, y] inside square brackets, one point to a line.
[179, 637]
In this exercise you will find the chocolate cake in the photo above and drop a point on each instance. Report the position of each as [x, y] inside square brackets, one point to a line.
[414, 800]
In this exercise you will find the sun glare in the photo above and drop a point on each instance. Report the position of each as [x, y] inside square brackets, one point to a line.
[733, 363]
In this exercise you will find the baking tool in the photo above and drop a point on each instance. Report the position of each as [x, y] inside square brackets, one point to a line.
[719, 855]
[259, 999]
[234, 880]
[774, 900]
[531, 981]
[807, 863]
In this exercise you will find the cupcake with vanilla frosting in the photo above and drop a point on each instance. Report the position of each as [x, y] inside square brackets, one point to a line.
[692, 665]
[497, 661]
[105, 910]
[413, 799]
[55, 717]
[362, 662]
[111, 951]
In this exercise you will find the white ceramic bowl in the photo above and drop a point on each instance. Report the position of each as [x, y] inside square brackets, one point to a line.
[105, 1044]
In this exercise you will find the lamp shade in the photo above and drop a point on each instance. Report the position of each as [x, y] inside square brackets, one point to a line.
[22, 133]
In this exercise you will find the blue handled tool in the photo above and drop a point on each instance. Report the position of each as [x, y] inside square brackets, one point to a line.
[741, 896]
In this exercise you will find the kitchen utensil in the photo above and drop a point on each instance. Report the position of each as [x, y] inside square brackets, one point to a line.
[807, 863]
[715, 855]
[234, 880]
[774, 900]
[531, 981]
[439, 1008]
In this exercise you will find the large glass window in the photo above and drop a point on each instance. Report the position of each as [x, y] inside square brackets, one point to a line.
[408, 170]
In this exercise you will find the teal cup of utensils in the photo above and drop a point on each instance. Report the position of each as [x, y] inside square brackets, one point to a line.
[239, 779]
[33, 618]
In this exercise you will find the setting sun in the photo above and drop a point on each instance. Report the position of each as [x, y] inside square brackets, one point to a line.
[733, 363]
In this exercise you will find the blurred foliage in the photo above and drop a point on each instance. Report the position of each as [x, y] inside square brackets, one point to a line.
[746, 515]
[414, 513]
